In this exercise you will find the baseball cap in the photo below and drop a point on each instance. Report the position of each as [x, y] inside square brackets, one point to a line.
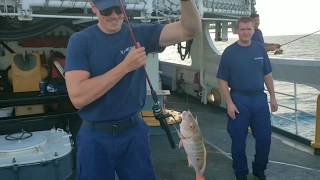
[104, 4]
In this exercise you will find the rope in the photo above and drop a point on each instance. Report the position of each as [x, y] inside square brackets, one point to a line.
[20, 136]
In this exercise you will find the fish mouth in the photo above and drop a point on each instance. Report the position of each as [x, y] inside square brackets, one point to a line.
[185, 113]
[187, 116]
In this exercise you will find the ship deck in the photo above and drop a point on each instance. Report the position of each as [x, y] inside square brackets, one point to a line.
[288, 159]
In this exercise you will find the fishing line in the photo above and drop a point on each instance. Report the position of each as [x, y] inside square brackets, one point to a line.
[280, 51]
[300, 38]
[134, 39]
[156, 108]
[187, 99]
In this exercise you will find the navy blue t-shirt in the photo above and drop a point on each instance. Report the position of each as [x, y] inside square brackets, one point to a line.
[258, 36]
[94, 51]
[244, 67]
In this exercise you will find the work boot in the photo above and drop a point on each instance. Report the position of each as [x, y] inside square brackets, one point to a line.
[259, 177]
[242, 177]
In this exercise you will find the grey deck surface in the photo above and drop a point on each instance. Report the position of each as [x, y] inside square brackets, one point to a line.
[286, 161]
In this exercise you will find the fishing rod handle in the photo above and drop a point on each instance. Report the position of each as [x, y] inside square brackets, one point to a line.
[162, 118]
[137, 45]
[164, 125]
[170, 138]
[166, 128]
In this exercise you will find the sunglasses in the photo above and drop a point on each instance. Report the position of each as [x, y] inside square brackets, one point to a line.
[108, 11]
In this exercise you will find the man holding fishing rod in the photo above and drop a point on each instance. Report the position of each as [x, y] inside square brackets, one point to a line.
[258, 36]
[106, 82]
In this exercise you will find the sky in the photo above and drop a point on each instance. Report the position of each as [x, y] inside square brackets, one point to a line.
[288, 17]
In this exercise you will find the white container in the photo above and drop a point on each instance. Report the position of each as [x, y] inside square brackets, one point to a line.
[44, 155]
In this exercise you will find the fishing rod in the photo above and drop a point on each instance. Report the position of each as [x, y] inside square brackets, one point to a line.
[156, 108]
[299, 38]
[280, 51]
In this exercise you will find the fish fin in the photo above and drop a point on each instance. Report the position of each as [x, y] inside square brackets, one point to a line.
[179, 134]
[181, 137]
[205, 160]
[196, 120]
[189, 162]
[199, 177]
[180, 143]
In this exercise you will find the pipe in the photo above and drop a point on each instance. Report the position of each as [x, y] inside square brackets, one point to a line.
[230, 13]
[316, 143]
[149, 8]
[202, 71]
[200, 7]
[92, 17]
[26, 4]
[44, 3]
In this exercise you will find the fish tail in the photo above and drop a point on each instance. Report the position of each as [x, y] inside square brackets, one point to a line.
[199, 178]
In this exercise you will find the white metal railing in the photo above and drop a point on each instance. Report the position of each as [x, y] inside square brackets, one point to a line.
[228, 7]
[295, 110]
[25, 8]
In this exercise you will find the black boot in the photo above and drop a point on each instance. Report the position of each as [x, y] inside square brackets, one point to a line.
[242, 177]
[259, 177]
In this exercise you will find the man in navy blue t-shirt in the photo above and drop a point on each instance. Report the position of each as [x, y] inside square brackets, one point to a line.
[106, 82]
[244, 69]
[258, 36]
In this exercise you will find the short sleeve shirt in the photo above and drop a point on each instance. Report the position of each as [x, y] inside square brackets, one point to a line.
[96, 52]
[244, 68]
[258, 36]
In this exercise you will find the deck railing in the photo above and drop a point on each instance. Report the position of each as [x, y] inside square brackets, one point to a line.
[296, 112]
[24, 9]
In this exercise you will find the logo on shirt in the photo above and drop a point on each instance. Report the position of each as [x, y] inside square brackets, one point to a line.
[258, 58]
[125, 51]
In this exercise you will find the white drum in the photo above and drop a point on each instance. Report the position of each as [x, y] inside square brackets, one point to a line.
[39, 155]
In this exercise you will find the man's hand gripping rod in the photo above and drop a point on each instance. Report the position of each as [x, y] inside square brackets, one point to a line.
[156, 108]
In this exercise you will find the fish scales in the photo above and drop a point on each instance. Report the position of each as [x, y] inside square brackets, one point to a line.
[193, 143]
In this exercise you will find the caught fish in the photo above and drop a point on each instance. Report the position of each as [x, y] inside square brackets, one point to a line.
[192, 141]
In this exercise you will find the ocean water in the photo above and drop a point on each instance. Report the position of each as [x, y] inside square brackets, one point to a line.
[301, 122]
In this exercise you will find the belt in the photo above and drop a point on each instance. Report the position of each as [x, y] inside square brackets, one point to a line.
[113, 128]
[246, 93]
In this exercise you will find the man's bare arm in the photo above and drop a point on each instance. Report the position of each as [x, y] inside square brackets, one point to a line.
[269, 83]
[271, 46]
[223, 85]
[185, 29]
[231, 107]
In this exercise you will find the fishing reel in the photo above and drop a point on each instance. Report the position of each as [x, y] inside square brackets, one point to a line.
[162, 118]
[278, 51]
